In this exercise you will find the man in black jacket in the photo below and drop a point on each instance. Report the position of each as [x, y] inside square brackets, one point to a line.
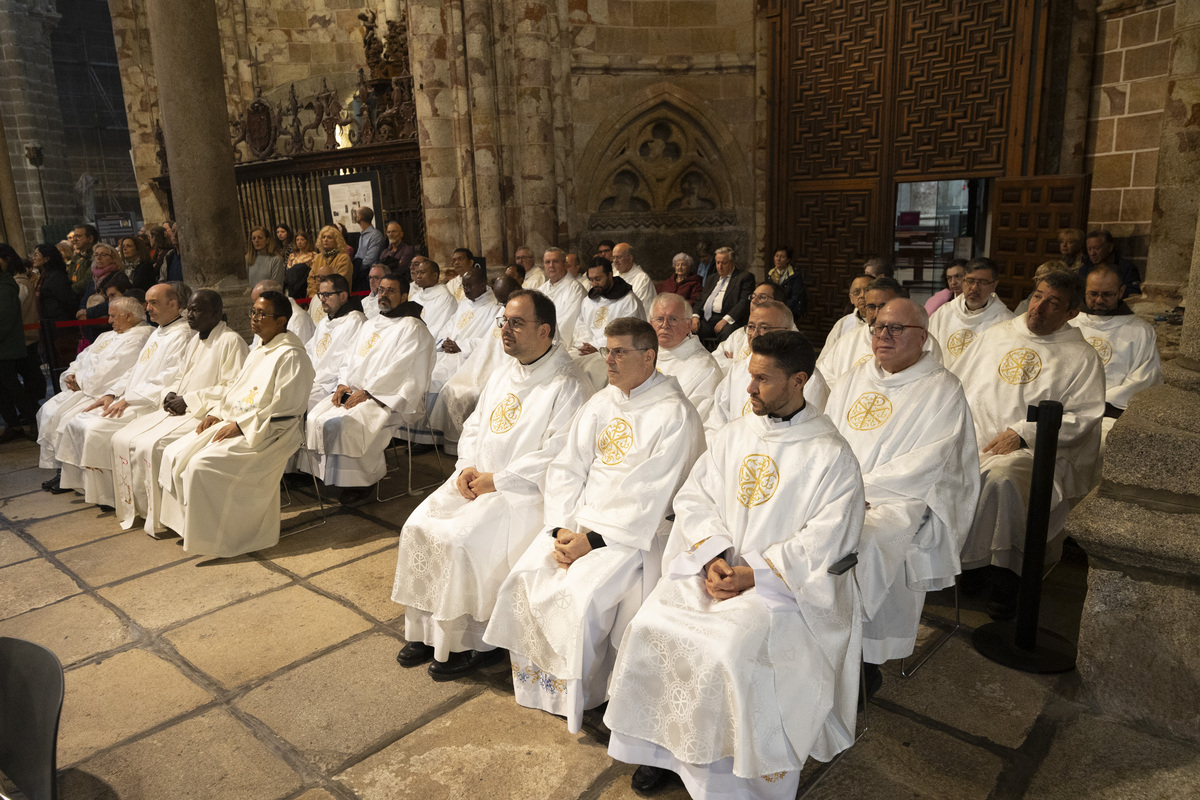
[724, 306]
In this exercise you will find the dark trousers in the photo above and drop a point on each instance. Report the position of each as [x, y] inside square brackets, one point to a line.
[708, 335]
[15, 404]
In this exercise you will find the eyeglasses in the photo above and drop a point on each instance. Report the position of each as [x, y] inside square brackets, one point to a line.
[256, 314]
[1102, 295]
[515, 324]
[973, 282]
[671, 321]
[759, 330]
[894, 328]
[620, 352]
[326, 295]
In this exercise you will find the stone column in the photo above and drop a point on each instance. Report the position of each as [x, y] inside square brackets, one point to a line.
[11, 229]
[191, 88]
[482, 74]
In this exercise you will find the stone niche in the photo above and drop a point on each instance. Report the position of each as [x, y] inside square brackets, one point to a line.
[662, 176]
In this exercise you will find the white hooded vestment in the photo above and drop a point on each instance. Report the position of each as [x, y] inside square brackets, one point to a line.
[955, 326]
[595, 312]
[437, 305]
[567, 296]
[458, 396]
[329, 348]
[854, 348]
[473, 321]
[696, 370]
[1128, 348]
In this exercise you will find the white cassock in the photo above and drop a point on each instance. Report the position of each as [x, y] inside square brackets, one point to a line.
[956, 327]
[734, 349]
[391, 359]
[1128, 348]
[85, 449]
[842, 327]
[855, 348]
[316, 312]
[534, 279]
[643, 287]
[454, 286]
[458, 396]
[329, 348]
[101, 366]
[209, 365]
[696, 370]
[472, 321]
[300, 323]
[1003, 373]
[437, 305]
[915, 443]
[732, 401]
[735, 695]
[223, 497]
[454, 552]
[595, 312]
[567, 296]
[583, 280]
[616, 475]
[370, 306]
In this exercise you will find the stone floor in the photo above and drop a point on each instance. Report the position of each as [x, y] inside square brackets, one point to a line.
[273, 676]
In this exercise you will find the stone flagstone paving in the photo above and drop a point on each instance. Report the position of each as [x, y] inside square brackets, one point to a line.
[273, 677]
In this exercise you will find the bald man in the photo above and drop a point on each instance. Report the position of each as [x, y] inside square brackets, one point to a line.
[631, 273]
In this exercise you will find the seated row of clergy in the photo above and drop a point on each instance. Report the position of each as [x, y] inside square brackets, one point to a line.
[556, 529]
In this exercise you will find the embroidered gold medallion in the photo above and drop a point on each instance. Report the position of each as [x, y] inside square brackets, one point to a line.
[601, 317]
[959, 341]
[1020, 366]
[869, 411]
[323, 345]
[864, 359]
[757, 478]
[505, 414]
[147, 353]
[464, 320]
[1102, 346]
[615, 441]
[368, 344]
[249, 399]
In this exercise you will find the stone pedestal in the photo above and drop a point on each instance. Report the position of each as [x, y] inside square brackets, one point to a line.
[191, 88]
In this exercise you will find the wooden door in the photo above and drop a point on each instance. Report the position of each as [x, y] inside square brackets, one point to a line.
[1026, 216]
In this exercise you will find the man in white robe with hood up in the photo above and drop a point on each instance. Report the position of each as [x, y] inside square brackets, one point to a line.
[213, 358]
[681, 355]
[907, 421]
[221, 482]
[459, 545]
[745, 660]
[958, 323]
[1014, 365]
[561, 611]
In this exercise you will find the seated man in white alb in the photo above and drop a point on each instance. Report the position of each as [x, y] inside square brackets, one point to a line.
[461, 542]
[85, 449]
[634, 275]
[907, 421]
[566, 293]
[335, 335]
[1126, 344]
[221, 482]
[436, 302]
[380, 386]
[458, 396]
[300, 323]
[848, 323]
[610, 298]
[1012, 366]
[962, 320]
[744, 662]
[212, 359]
[472, 321]
[737, 347]
[370, 303]
[561, 611]
[681, 355]
[103, 364]
[534, 276]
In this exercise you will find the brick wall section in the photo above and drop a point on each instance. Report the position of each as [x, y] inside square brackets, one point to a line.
[1129, 91]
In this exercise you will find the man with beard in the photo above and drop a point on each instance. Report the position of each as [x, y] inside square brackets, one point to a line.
[961, 321]
[610, 298]
[331, 342]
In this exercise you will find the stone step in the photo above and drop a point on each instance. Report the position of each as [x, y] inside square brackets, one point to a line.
[1153, 451]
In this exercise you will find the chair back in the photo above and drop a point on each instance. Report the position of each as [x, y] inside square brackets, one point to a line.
[31, 698]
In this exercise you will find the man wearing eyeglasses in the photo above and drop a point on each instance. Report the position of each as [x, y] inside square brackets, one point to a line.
[958, 323]
[221, 481]
[564, 290]
[460, 543]
[681, 355]
[562, 609]
[370, 303]
[1014, 365]
[907, 421]
[335, 334]
[299, 323]
[737, 347]
[1126, 344]
[853, 320]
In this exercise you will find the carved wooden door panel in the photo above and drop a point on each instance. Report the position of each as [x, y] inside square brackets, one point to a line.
[1026, 216]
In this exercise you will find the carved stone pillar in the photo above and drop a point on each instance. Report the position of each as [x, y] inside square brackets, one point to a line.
[191, 89]
[11, 229]
[486, 139]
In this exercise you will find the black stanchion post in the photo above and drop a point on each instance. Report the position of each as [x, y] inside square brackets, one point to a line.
[1018, 645]
[51, 353]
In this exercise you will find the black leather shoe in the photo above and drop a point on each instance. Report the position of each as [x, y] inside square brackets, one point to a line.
[462, 664]
[357, 495]
[647, 779]
[414, 654]
[57, 489]
[52, 484]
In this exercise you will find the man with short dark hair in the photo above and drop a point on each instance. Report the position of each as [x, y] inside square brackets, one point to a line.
[436, 302]
[460, 543]
[370, 244]
[609, 298]
[1014, 365]
[79, 267]
[566, 293]
[1100, 250]
[744, 661]
[221, 482]
[472, 321]
[300, 322]
[605, 249]
[562, 609]
[956, 324]
[335, 335]
[879, 267]
[460, 261]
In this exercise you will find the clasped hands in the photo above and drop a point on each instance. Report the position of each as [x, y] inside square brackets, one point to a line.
[356, 397]
[111, 405]
[471, 483]
[174, 405]
[723, 581]
[1004, 443]
[229, 430]
[569, 547]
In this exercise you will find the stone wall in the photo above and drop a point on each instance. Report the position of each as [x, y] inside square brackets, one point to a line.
[1129, 91]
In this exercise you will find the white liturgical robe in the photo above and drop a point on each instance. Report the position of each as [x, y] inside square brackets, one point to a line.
[643, 287]
[534, 279]
[209, 365]
[696, 370]
[300, 323]
[1003, 373]
[391, 360]
[223, 497]
[731, 693]
[616, 475]
[85, 449]
[100, 366]
[914, 439]
[370, 306]
[454, 552]
[458, 396]
[472, 322]
[843, 326]
[731, 400]
[437, 305]
[734, 349]
[329, 348]
[567, 296]
[853, 349]
[454, 286]
[595, 312]
[956, 327]
[1128, 348]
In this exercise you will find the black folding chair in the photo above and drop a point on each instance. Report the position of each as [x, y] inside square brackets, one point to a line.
[31, 698]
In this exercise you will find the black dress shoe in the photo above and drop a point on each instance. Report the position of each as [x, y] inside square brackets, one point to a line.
[52, 484]
[57, 489]
[647, 779]
[414, 654]
[461, 664]
[356, 495]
